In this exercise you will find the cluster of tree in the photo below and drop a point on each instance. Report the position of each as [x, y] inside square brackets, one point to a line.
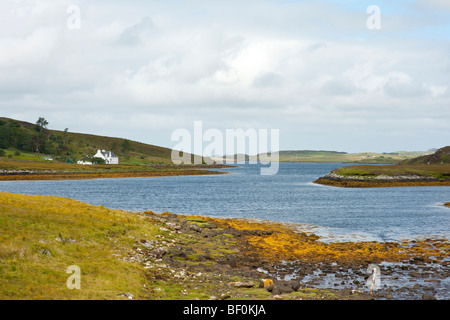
[37, 138]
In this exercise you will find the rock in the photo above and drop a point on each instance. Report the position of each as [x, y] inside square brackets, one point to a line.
[147, 244]
[280, 288]
[295, 285]
[211, 225]
[433, 280]
[240, 284]
[65, 240]
[45, 251]
[159, 252]
[428, 297]
[173, 226]
[126, 295]
[224, 296]
[195, 228]
[231, 262]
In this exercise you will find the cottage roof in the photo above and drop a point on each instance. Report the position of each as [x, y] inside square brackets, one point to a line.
[108, 154]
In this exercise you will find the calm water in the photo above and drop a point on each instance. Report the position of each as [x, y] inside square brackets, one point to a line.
[381, 214]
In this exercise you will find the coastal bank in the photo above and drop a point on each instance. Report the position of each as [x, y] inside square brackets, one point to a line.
[146, 255]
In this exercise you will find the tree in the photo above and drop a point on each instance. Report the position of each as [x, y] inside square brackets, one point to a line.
[42, 122]
[41, 139]
[98, 160]
[126, 146]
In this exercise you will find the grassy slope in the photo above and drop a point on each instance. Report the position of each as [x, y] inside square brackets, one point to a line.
[88, 144]
[435, 165]
[441, 156]
[40, 236]
[31, 224]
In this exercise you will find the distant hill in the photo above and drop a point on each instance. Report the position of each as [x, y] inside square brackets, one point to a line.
[20, 138]
[336, 156]
[441, 156]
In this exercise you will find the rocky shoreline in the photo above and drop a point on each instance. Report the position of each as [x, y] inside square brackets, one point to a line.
[8, 175]
[241, 259]
[144, 255]
[334, 179]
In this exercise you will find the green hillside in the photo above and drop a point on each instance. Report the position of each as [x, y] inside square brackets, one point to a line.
[27, 141]
[441, 156]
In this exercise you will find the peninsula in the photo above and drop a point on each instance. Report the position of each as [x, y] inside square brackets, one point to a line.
[428, 170]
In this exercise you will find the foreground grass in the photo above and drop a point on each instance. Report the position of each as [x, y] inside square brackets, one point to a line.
[41, 236]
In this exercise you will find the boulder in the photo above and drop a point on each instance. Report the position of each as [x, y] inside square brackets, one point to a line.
[159, 252]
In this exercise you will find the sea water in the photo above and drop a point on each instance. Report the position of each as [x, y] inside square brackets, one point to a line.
[335, 214]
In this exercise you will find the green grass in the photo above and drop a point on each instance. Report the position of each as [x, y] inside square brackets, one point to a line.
[441, 171]
[25, 156]
[41, 236]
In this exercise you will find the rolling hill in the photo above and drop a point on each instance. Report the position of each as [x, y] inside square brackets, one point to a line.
[24, 140]
[336, 156]
[441, 156]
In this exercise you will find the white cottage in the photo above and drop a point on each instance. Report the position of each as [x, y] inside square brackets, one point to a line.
[108, 156]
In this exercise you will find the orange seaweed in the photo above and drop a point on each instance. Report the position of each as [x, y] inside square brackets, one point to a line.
[286, 243]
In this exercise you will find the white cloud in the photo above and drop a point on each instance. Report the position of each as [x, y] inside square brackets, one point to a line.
[26, 51]
[433, 4]
[158, 65]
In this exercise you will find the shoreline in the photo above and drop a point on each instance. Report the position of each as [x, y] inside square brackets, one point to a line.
[350, 183]
[102, 175]
[172, 256]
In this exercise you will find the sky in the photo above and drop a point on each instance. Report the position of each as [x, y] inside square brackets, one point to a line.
[314, 70]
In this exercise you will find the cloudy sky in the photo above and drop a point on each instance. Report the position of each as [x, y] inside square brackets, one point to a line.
[312, 69]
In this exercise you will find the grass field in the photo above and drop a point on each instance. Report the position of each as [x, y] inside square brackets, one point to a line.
[40, 237]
